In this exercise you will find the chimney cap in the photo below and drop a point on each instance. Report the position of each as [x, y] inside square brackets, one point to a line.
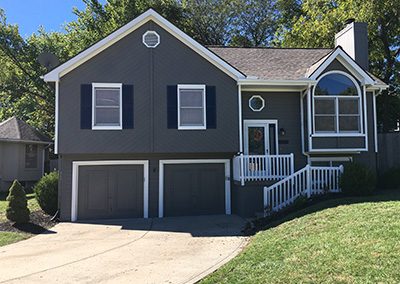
[349, 21]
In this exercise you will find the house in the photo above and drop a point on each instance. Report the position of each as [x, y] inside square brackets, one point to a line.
[22, 153]
[150, 123]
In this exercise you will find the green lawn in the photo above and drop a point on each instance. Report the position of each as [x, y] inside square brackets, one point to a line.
[12, 237]
[338, 241]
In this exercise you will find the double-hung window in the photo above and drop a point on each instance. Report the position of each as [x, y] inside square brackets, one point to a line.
[191, 107]
[107, 106]
[31, 156]
[337, 104]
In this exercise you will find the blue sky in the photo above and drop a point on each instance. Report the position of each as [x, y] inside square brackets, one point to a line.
[31, 14]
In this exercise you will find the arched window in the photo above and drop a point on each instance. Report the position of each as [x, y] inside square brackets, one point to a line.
[337, 104]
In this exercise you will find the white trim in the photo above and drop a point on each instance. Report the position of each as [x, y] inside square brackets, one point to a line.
[255, 97]
[337, 150]
[365, 111]
[149, 15]
[347, 61]
[154, 33]
[240, 119]
[57, 103]
[337, 133]
[260, 82]
[302, 122]
[375, 122]
[226, 162]
[192, 87]
[106, 85]
[263, 123]
[75, 182]
[309, 115]
[333, 159]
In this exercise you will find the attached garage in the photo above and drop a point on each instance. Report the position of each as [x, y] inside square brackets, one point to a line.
[196, 187]
[109, 189]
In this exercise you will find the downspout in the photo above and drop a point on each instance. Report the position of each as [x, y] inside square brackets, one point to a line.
[376, 129]
[308, 122]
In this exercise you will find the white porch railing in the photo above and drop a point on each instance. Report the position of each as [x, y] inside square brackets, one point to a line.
[306, 182]
[262, 167]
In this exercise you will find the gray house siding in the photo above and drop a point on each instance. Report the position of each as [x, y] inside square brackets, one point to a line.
[150, 71]
[284, 107]
[12, 165]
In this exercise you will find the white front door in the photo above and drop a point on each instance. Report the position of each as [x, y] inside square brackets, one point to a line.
[261, 137]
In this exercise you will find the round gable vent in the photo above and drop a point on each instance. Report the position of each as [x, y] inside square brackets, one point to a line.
[151, 39]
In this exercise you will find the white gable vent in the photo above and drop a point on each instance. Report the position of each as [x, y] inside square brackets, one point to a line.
[151, 39]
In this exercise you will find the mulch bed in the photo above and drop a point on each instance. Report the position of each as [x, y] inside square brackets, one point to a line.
[39, 222]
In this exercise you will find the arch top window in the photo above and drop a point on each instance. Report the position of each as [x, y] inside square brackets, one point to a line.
[336, 84]
[337, 104]
[256, 103]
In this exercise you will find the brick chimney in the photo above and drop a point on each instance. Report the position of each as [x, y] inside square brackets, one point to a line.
[354, 40]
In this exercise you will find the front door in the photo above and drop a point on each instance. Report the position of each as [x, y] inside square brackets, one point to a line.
[260, 137]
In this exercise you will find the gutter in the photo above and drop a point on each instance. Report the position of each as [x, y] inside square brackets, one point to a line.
[261, 82]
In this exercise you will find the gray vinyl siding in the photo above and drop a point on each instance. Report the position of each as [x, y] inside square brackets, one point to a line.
[150, 70]
[284, 107]
[12, 164]
[65, 182]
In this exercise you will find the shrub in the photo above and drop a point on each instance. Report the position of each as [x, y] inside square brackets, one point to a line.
[390, 179]
[46, 193]
[17, 210]
[357, 180]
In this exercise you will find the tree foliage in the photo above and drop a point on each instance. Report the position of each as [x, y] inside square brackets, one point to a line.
[17, 210]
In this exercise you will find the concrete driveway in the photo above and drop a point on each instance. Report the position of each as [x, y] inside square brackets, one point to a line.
[169, 250]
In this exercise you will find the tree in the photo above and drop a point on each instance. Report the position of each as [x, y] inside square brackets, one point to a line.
[319, 20]
[255, 22]
[17, 210]
[22, 92]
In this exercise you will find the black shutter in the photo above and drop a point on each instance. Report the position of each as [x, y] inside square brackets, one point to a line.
[211, 107]
[86, 106]
[172, 107]
[127, 107]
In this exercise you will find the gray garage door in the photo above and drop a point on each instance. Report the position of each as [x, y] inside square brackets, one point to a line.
[194, 189]
[110, 192]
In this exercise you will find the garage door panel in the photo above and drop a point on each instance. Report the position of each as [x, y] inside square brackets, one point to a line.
[93, 201]
[128, 202]
[110, 191]
[194, 189]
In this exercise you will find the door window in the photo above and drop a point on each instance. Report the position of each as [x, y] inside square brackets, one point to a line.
[256, 140]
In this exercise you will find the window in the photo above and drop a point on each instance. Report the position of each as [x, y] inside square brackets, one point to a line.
[256, 103]
[191, 107]
[31, 156]
[107, 109]
[151, 39]
[337, 104]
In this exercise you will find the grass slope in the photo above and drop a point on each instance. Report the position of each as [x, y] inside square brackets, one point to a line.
[338, 241]
[12, 237]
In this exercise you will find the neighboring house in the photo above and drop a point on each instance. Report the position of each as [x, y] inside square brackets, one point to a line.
[149, 123]
[22, 153]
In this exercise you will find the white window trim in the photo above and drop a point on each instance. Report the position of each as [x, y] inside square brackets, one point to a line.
[257, 97]
[226, 163]
[106, 85]
[338, 133]
[75, 182]
[197, 87]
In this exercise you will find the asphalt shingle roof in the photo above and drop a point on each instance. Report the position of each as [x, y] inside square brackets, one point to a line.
[271, 63]
[17, 130]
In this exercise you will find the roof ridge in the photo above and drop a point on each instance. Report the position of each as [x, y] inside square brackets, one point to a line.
[7, 120]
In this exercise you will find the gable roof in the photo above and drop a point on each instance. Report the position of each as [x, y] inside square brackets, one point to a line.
[16, 130]
[338, 53]
[272, 63]
[149, 15]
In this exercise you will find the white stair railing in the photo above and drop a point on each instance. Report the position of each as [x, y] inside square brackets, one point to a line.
[262, 167]
[306, 182]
